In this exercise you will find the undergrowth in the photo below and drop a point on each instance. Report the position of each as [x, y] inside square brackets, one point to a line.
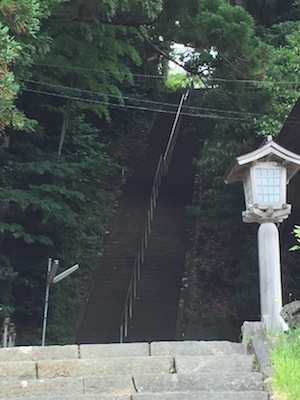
[286, 360]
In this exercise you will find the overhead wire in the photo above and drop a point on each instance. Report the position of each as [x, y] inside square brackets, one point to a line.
[153, 76]
[106, 72]
[290, 121]
[126, 106]
[188, 109]
[192, 111]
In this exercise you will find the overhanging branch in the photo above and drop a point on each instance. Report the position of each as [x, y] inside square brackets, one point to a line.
[168, 57]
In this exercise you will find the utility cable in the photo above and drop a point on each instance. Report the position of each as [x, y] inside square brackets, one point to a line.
[126, 106]
[209, 79]
[189, 109]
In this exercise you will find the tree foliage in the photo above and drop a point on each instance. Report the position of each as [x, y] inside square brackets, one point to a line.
[20, 23]
[249, 87]
[89, 73]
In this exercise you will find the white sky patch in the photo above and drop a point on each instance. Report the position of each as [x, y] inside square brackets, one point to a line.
[181, 54]
[175, 69]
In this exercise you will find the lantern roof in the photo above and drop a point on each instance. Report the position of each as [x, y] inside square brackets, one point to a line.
[269, 151]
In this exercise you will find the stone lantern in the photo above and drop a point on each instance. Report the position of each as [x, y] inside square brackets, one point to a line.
[265, 173]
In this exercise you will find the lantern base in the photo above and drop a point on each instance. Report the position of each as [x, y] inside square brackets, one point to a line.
[254, 214]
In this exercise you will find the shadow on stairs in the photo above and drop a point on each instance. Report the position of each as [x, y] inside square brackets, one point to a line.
[155, 311]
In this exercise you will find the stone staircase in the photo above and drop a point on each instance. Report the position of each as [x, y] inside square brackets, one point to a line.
[156, 307]
[186, 370]
[105, 303]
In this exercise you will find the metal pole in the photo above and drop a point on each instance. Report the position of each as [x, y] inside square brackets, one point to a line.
[11, 335]
[126, 321]
[139, 266]
[151, 206]
[5, 331]
[134, 280]
[46, 304]
[142, 251]
[130, 304]
[146, 236]
[121, 334]
[149, 221]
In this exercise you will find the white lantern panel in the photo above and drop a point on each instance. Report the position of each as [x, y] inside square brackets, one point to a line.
[248, 191]
[270, 185]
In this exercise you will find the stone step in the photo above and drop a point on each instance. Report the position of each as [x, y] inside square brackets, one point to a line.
[99, 396]
[158, 294]
[105, 366]
[130, 371]
[191, 381]
[86, 367]
[161, 268]
[203, 395]
[47, 369]
[197, 348]
[83, 351]
[236, 363]
[96, 351]
[129, 385]
[35, 353]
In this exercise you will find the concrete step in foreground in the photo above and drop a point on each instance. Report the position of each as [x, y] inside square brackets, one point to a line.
[131, 371]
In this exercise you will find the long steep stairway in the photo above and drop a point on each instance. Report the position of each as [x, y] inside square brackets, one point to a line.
[156, 306]
[105, 303]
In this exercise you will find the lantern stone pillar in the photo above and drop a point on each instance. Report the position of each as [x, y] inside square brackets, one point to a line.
[265, 172]
[270, 276]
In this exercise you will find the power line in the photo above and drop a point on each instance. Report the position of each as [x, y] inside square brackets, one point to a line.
[152, 76]
[98, 70]
[253, 81]
[189, 109]
[98, 93]
[210, 116]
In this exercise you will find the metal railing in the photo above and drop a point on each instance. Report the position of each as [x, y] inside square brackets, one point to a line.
[161, 170]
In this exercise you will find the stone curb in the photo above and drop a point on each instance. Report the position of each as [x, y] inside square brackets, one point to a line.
[256, 339]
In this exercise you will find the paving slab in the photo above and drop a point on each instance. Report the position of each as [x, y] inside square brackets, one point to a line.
[114, 350]
[35, 353]
[203, 395]
[41, 387]
[18, 370]
[105, 366]
[197, 348]
[217, 381]
[117, 385]
[235, 363]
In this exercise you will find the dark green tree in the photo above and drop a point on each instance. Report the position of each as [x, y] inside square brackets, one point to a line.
[83, 67]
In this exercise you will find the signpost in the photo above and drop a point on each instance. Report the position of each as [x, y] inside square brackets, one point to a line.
[53, 278]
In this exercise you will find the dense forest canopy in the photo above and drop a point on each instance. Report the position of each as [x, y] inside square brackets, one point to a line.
[79, 80]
